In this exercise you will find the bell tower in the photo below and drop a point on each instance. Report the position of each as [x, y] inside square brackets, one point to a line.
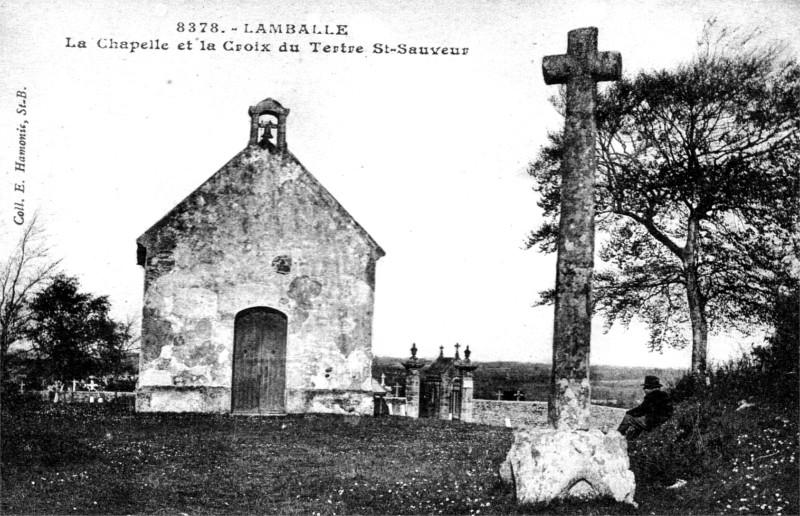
[268, 125]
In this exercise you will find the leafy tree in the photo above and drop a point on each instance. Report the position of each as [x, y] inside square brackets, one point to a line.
[73, 334]
[696, 191]
[26, 269]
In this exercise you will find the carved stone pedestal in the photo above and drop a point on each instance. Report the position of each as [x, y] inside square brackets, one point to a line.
[545, 464]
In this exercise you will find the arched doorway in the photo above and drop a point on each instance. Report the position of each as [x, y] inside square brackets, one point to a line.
[259, 361]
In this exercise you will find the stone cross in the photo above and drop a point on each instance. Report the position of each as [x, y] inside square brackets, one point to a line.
[518, 394]
[457, 346]
[91, 385]
[580, 69]
[396, 390]
[21, 386]
[499, 395]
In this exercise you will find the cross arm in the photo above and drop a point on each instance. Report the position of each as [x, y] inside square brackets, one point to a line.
[556, 69]
[607, 66]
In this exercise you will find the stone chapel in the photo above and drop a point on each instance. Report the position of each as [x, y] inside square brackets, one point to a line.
[258, 291]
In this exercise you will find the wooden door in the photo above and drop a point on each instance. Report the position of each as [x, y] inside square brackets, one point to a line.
[259, 361]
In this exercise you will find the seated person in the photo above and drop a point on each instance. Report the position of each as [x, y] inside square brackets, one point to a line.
[653, 412]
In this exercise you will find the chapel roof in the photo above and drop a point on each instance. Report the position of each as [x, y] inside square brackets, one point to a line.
[440, 366]
[262, 143]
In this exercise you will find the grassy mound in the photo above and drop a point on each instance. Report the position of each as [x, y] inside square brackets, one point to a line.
[733, 439]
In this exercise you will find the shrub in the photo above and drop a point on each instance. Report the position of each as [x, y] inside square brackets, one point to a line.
[782, 351]
[121, 385]
[688, 387]
[13, 401]
[121, 404]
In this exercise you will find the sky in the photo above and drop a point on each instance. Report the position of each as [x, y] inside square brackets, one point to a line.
[428, 153]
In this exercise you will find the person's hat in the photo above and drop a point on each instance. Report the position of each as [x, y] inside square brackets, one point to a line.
[651, 382]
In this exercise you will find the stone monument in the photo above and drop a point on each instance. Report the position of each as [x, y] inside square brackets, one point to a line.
[569, 459]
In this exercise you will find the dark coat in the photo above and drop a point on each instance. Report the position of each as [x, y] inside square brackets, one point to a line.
[656, 409]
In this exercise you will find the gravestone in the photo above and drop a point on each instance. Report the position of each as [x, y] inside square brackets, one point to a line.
[568, 459]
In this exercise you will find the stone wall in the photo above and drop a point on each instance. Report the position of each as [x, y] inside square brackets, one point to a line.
[85, 396]
[214, 255]
[534, 413]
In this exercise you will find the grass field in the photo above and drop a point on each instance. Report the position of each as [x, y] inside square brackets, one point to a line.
[79, 459]
[84, 459]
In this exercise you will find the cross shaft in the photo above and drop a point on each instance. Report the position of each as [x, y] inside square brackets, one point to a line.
[580, 69]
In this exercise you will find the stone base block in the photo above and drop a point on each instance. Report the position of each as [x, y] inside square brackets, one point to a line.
[545, 464]
[218, 400]
[346, 402]
[183, 399]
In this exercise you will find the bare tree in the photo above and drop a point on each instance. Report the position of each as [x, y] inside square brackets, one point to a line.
[22, 274]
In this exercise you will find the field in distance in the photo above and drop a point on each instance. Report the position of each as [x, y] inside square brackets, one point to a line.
[611, 385]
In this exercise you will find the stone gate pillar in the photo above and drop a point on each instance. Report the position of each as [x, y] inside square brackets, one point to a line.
[413, 365]
[465, 368]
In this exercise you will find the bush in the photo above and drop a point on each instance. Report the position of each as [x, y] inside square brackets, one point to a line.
[121, 385]
[13, 401]
[688, 387]
[782, 352]
[122, 404]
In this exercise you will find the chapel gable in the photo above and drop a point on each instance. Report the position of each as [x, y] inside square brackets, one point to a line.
[258, 290]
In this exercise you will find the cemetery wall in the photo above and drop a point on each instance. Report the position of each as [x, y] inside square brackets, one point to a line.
[519, 413]
[86, 396]
[534, 413]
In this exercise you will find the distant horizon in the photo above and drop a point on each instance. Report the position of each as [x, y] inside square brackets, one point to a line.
[546, 364]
